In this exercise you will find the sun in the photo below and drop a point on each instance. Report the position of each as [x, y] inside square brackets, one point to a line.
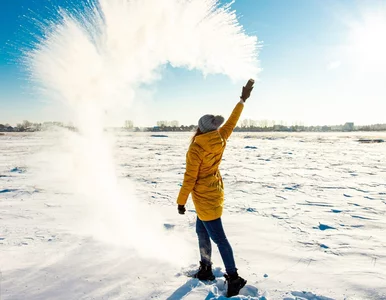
[367, 40]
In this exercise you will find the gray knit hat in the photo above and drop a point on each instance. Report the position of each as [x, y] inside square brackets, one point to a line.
[209, 123]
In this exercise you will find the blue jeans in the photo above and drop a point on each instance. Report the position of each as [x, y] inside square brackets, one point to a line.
[207, 230]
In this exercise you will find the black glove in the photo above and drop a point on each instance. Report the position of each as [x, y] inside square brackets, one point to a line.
[247, 89]
[181, 209]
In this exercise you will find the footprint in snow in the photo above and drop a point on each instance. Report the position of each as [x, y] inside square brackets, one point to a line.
[17, 170]
[214, 290]
[324, 227]
[306, 296]
[169, 226]
[7, 191]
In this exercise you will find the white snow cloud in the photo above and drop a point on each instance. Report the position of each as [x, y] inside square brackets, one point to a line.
[95, 62]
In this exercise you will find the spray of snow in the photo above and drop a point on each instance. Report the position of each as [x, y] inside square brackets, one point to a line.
[93, 60]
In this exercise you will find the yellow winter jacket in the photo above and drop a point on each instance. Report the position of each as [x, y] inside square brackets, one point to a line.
[202, 177]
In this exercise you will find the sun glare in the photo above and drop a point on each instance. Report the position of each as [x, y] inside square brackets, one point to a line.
[367, 40]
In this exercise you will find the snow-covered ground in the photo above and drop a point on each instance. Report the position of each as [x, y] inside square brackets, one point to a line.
[305, 214]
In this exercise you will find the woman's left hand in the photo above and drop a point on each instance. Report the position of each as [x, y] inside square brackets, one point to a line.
[181, 209]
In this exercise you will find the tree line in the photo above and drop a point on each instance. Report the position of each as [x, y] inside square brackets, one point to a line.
[27, 126]
[242, 126]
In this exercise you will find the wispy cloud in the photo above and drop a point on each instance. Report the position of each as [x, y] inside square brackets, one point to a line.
[333, 65]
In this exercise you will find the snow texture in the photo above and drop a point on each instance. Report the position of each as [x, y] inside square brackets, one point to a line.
[305, 214]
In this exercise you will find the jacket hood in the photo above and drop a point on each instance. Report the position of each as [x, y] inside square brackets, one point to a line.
[211, 142]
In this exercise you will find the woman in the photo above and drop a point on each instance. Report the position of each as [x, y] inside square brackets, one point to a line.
[203, 179]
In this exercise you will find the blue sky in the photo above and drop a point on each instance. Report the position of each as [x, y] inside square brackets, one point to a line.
[323, 63]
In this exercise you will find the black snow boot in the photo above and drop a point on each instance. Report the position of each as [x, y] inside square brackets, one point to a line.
[205, 272]
[235, 284]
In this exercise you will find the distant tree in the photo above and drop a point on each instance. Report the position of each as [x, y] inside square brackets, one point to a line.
[263, 123]
[174, 123]
[129, 124]
[36, 127]
[162, 123]
[26, 124]
[20, 127]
